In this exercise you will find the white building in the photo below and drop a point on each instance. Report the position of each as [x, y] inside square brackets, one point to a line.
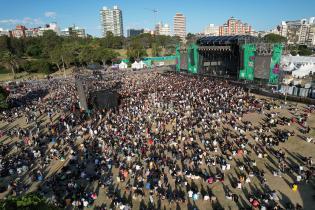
[297, 31]
[211, 30]
[311, 36]
[162, 29]
[149, 31]
[74, 31]
[180, 26]
[284, 29]
[304, 29]
[157, 28]
[165, 30]
[112, 21]
[254, 33]
[51, 26]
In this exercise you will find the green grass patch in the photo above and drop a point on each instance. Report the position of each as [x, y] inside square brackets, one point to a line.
[4, 70]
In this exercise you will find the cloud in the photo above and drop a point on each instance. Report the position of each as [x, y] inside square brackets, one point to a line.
[32, 21]
[9, 21]
[24, 21]
[50, 14]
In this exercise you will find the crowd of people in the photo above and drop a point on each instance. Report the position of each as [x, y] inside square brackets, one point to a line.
[172, 139]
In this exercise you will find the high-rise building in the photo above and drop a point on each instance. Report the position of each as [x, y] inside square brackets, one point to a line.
[180, 26]
[165, 30]
[134, 32]
[311, 36]
[234, 27]
[112, 21]
[211, 30]
[157, 28]
[283, 29]
[162, 29]
[304, 30]
[297, 31]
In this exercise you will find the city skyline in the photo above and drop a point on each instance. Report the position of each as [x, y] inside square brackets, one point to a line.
[138, 15]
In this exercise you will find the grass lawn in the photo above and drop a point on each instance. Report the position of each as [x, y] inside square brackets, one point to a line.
[7, 76]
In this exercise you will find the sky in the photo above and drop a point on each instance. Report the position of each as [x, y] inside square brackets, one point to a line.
[261, 14]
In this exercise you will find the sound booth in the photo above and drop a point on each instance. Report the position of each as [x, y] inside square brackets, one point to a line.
[104, 99]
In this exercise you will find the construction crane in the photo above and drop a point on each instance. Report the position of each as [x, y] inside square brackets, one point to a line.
[155, 11]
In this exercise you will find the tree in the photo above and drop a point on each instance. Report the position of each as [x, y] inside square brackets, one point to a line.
[18, 54]
[26, 202]
[156, 50]
[63, 55]
[104, 55]
[87, 55]
[55, 57]
[40, 66]
[11, 60]
[49, 41]
[275, 38]
[190, 37]
[136, 50]
[304, 51]
[111, 41]
[33, 50]
[68, 54]
[3, 98]
[17, 46]
[171, 50]
[4, 43]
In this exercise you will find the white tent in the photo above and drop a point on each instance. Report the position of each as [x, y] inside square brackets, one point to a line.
[142, 65]
[135, 65]
[304, 70]
[289, 67]
[123, 65]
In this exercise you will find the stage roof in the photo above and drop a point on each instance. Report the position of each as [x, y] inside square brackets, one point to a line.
[226, 40]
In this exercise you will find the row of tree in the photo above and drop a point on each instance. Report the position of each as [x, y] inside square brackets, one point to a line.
[51, 52]
[26, 202]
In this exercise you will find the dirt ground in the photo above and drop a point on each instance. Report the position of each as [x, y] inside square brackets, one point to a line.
[295, 148]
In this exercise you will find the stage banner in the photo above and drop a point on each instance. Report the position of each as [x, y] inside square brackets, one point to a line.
[247, 72]
[275, 64]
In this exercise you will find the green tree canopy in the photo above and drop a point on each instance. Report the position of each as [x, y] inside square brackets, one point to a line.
[156, 50]
[34, 50]
[9, 59]
[105, 55]
[3, 98]
[26, 202]
[4, 43]
[275, 38]
[49, 41]
[304, 51]
[87, 55]
[136, 51]
[24, 54]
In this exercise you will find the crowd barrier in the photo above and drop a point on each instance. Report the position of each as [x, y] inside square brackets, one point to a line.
[300, 99]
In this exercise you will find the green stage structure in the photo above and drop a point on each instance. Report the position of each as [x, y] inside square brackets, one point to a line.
[190, 58]
[275, 64]
[177, 58]
[193, 58]
[247, 73]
